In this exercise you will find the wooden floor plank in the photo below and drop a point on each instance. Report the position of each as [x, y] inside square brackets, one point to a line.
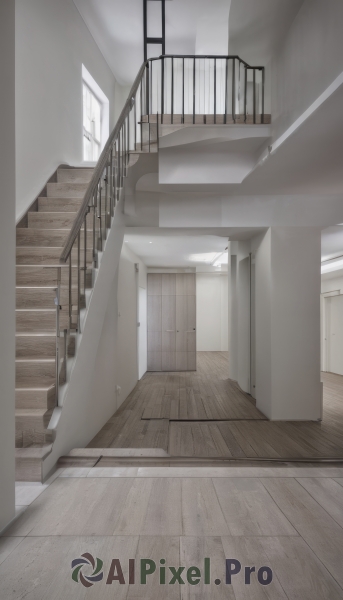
[203, 413]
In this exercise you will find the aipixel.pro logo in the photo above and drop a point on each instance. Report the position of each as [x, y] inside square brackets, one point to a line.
[147, 568]
[88, 561]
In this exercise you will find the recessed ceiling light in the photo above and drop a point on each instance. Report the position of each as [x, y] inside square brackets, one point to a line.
[150, 242]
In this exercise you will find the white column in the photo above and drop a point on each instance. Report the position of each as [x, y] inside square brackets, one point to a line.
[7, 263]
[288, 323]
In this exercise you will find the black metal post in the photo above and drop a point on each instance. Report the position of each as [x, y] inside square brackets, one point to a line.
[193, 90]
[234, 90]
[263, 86]
[172, 92]
[254, 94]
[183, 90]
[226, 78]
[215, 91]
[245, 94]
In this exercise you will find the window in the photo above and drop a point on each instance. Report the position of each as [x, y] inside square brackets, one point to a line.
[91, 126]
[95, 119]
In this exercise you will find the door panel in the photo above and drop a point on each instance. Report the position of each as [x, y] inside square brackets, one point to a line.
[168, 313]
[181, 361]
[168, 361]
[155, 341]
[191, 361]
[154, 361]
[168, 341]
[154, 284]
[168, 285]
[154, 313]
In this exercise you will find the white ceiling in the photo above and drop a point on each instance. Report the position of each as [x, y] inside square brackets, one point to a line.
[159, 247]
[255, 26]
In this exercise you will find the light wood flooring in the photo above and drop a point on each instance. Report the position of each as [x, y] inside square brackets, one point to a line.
[204, 414]
[289, 520]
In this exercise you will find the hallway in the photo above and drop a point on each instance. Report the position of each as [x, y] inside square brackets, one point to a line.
[203, 414]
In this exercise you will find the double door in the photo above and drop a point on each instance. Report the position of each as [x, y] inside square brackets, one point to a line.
[171, 322]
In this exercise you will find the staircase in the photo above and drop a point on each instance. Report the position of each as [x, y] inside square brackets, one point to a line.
[39, 246]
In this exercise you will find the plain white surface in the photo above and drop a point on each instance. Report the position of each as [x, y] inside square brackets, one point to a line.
[288, 323]
[7, 263]
[127, 344]
[142, 332]
[52, 44]
[334, 306]
[310, 59]
[211, 310]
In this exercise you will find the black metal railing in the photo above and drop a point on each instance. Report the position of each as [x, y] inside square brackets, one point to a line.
[168, 89]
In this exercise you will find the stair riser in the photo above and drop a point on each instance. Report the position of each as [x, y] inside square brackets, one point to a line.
[45, 220]
[66, 190]
[74, 175]
[59, 204]
[36, 346]
[39, 237]
[28, 469]
[29, 321]
[43, 297]
[36, 399]
[35, 373]
[30, 424]
[36, 276]
[48, 256]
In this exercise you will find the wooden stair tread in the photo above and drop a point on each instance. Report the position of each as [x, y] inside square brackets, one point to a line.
[34, 452]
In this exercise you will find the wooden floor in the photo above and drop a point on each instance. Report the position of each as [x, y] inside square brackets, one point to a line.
[204, 414]
[290, 520]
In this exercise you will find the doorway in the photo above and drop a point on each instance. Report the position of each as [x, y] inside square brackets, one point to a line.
[171, 322]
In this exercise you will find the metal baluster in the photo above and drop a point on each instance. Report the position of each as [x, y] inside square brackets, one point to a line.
[234, 90]
[215, 90]
[245, 94]
[226, 81]
[106, 203]
[162, 90]
[183, 90]
[79, 282]
[111, 183]
[254, 94]
[141, 100]
[147, 92]
[70, 291]
[172, 92]
[193, 90]
[95, 254]
[58, 308]
[85, 255]
[118, 163]
[100, 214]
[135, 118]
[263, 86]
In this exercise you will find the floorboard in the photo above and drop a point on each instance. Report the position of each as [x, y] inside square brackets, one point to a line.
[205, 414]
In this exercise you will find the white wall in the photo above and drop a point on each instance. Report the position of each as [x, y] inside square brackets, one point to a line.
[212, 314]
[52, 43]
[288, 323]
[310, 59]
[7, 263]
[334, 284]
[127, 345]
